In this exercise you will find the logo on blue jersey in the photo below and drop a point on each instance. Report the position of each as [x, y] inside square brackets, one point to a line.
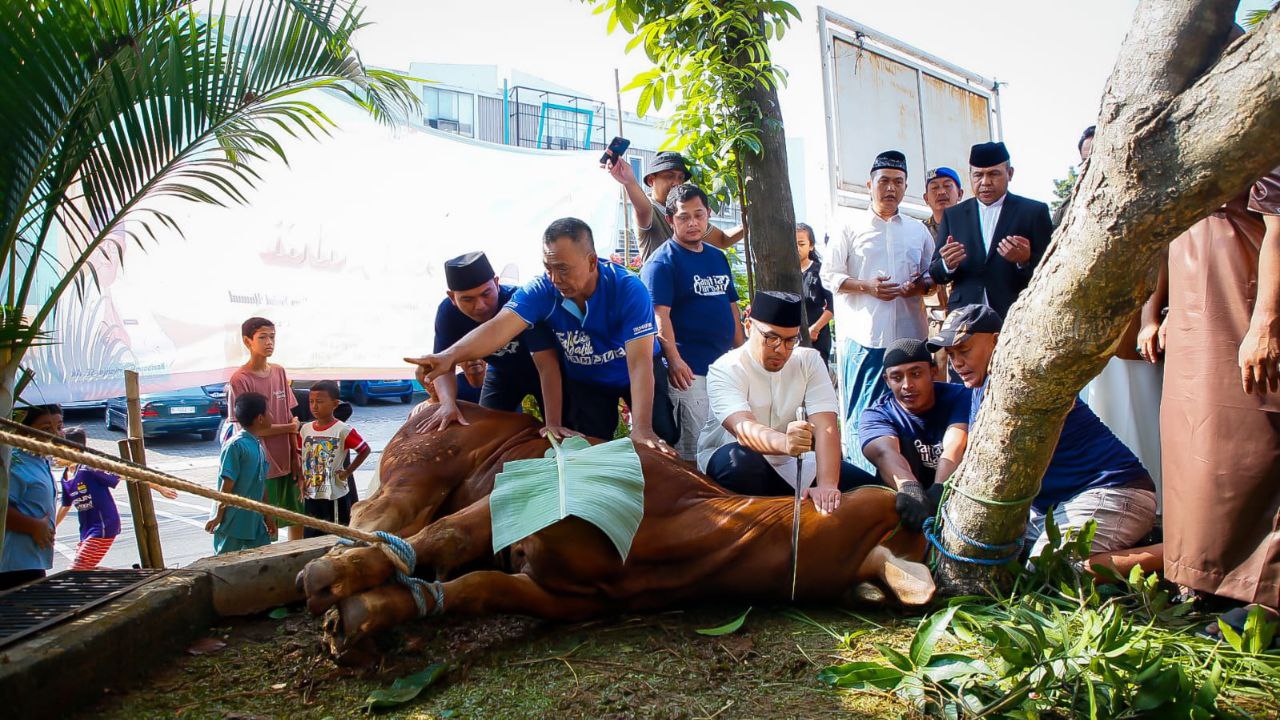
[711, 285]
[579, 350]
[508, 349]
[929, 454]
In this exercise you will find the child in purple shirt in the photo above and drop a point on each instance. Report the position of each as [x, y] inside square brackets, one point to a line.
[89, 490]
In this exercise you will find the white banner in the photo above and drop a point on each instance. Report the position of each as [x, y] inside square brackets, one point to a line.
[343, 250]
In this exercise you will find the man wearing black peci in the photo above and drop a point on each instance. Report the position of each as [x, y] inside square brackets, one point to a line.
[989, 245]
[525, 365]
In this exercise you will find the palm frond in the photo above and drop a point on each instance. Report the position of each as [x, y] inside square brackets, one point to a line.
[133, 100]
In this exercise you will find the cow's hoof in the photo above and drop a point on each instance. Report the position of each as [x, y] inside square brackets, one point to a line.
[865, 593]
[347, 650]
[318, 581]
[911, 582]
[333, 577]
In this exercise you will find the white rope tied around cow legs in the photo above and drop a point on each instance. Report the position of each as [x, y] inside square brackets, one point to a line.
[42, 443]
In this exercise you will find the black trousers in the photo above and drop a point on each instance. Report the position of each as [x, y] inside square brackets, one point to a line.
[823, 345]
[593, 409]
[323, 510]
[744, 471]
[506, 390]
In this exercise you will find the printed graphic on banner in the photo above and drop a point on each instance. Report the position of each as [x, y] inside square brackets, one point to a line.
[343, 250]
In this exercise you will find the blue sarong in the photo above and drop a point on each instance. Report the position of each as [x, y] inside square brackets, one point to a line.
[861, 384]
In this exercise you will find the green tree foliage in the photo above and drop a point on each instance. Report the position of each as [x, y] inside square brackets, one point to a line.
[706, 54]
[1062, 188]
[1255, 17]
[108, 104]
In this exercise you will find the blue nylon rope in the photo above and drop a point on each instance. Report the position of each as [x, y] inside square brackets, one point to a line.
[937, 544]
[415, 586]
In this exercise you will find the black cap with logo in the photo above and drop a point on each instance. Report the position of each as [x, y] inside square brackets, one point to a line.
[963, 323]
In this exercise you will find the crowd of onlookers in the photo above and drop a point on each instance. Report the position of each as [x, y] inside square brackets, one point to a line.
[918, 309]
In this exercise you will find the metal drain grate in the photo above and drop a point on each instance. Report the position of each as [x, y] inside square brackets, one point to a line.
[33, 607]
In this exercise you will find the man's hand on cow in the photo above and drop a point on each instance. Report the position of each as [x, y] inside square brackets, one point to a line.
[447, 415]
[912, 505]
[679, 372]
[952, 253]
[799, 437]
[650, 440]
[826, 499]
[559, 431]
[430, 367]
[1016, 249]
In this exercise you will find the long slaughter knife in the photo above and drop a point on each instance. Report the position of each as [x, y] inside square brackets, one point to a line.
[801, 416]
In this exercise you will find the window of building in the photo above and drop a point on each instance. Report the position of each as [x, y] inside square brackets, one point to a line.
[448, 110]
[637, 167]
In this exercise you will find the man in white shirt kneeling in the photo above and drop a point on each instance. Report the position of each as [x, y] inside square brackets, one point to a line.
[753, 439]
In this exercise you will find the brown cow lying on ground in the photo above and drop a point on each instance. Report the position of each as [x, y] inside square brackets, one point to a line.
[695, 541]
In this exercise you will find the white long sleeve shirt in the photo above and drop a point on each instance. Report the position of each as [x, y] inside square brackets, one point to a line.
[864, 247]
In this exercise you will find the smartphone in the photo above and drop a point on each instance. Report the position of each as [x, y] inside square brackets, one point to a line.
[617, 147]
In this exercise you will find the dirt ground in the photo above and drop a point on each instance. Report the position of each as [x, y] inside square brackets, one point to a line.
[650, 666]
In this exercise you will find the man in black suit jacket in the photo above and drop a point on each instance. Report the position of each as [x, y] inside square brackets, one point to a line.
[988, 246]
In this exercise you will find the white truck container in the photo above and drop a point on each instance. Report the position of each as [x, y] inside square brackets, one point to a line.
[877, 93]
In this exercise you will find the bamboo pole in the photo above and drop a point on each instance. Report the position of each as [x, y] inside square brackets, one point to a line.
[145, 527]
[135, 509]
[626, 217]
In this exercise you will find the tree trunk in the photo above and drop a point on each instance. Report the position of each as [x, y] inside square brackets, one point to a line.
[771, 219]
[1178, 135]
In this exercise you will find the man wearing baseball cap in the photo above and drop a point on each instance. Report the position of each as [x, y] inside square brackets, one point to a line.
[654, 224]
[916, 435]
[941, 190]
[1091, 476]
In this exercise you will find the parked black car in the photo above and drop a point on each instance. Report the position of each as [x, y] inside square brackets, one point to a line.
[190, 410]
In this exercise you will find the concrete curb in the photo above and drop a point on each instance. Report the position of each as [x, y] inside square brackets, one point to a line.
[70, 666]
[251, 581]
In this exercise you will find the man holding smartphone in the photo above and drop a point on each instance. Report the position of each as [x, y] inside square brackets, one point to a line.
[667, 171]
[877, 274]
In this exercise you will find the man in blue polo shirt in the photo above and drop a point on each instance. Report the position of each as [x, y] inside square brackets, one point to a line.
[602, 318]
[1091, 475]
[696, 305]
[916, 435]
[523, 366]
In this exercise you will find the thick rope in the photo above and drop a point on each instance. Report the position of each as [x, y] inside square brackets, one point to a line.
[415, 585]
[42, 443]
[937, 545]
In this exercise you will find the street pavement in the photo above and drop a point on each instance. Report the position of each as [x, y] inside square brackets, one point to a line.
[182, 520]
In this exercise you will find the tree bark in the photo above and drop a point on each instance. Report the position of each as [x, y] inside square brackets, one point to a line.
[771, 220]
[1178, 135]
